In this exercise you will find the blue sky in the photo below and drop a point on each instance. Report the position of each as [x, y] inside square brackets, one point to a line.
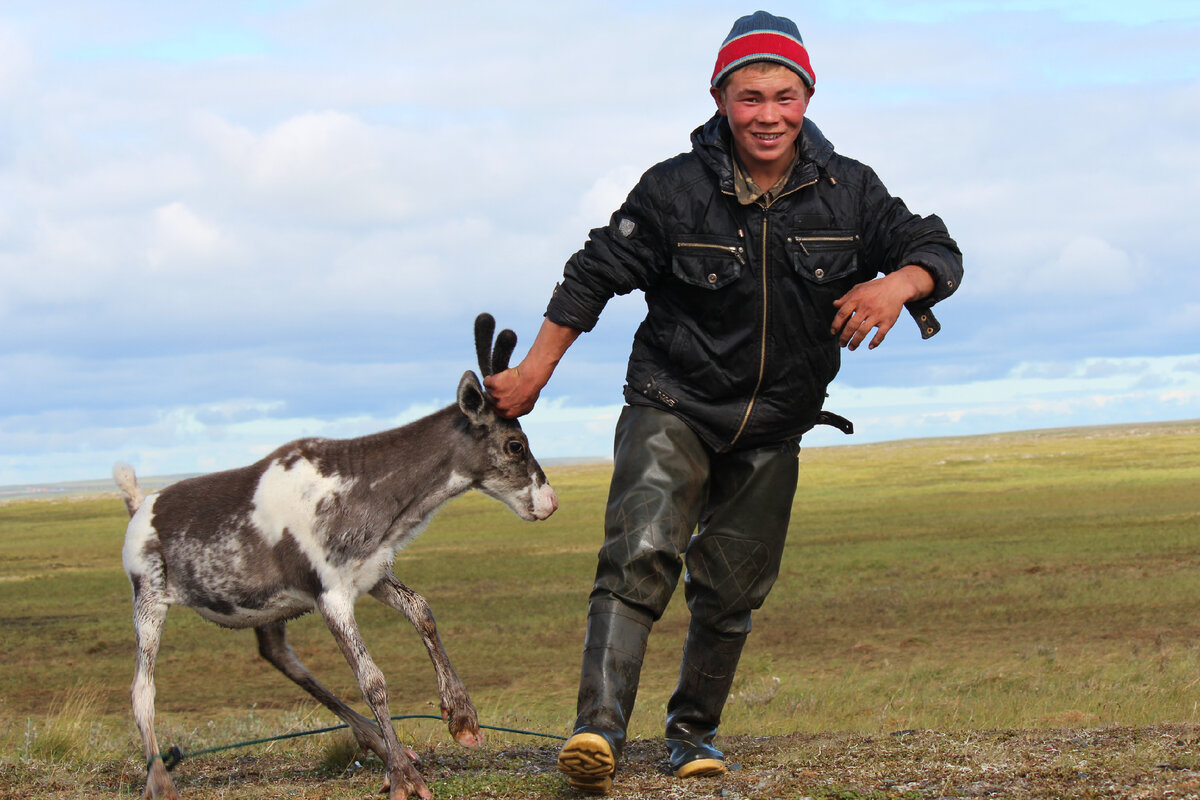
[227, 225]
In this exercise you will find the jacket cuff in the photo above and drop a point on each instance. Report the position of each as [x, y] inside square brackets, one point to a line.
[566, 310]
[946, 274]
[922, 314]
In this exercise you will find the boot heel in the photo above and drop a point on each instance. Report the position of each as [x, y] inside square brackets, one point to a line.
[701, 768]
[588, 762]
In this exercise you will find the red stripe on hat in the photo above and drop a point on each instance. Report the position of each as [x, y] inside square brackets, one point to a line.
[772, 46]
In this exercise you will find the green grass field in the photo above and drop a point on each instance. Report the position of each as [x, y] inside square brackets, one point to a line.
[1030, 581]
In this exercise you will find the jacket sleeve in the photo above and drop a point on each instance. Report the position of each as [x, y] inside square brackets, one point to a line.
[895, 237]
[626, 254]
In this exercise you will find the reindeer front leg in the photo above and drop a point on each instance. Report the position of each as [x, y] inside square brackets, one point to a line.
[338, 610]
[457, 709]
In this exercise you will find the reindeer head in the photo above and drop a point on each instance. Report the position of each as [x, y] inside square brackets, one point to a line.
[506, 470]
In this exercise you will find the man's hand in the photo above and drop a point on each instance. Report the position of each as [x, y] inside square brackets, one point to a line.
[515, 391]
[877, 304]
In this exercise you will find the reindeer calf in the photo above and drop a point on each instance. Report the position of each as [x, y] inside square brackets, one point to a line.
[315, 525]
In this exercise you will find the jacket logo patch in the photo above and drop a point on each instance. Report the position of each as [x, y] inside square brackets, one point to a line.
[626, 226]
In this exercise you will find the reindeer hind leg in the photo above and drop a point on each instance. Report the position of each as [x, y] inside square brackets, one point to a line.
[273, 646]
[149, 614]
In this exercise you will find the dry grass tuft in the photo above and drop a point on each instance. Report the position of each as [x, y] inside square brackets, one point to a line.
[70, 732]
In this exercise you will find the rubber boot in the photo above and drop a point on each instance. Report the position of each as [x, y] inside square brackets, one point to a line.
[710, 660]
[612, 664]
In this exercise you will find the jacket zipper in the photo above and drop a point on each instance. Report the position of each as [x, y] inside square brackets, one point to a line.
[800, 240]
[736, 252]
[762, 360]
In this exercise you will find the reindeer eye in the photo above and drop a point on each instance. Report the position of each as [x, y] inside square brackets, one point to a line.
[515, 447]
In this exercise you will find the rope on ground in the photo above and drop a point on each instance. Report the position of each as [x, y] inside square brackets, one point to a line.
[173, 756]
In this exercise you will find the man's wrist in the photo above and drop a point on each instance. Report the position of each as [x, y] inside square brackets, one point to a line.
[919, 280]
[533, 371]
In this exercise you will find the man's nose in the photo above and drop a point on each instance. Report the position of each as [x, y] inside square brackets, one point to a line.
[768, 112]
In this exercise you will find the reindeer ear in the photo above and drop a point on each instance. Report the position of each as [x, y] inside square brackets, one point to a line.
[471, 399]
[485, 326]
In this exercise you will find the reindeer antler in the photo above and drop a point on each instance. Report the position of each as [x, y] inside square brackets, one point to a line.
[485, 326]
[492, 360]
[506, 342]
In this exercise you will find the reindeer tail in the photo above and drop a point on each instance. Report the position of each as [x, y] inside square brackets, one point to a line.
[127, 482]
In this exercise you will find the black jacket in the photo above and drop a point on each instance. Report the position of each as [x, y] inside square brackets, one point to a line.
[736, 340]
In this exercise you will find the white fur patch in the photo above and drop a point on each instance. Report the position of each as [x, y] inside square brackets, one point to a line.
[139, 532]
[287, 499]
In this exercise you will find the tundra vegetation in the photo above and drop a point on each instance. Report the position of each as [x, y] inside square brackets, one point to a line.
[1010, 615]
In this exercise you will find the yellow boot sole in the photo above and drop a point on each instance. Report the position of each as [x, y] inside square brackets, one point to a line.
[701, 768]
[587, 761]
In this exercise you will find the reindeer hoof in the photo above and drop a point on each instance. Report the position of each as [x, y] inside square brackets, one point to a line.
[401, 793]
[158, 784]
[463, 724]
[469, 738]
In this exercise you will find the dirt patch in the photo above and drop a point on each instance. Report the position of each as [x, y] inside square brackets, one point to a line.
[1146, 762]
[1113, 762]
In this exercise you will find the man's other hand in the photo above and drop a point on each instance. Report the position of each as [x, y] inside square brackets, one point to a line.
[876, 305]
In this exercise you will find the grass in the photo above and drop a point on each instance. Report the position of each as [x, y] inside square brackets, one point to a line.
[1040, 581]
[68, 732]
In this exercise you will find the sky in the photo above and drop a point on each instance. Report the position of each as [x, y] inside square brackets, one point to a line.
[227, 225]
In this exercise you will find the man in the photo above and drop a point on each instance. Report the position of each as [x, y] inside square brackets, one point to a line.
[758, 253]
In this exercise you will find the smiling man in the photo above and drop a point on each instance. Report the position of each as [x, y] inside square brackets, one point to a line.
[761, 252]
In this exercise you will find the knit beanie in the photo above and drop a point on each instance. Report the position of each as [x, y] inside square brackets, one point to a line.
[763, 37]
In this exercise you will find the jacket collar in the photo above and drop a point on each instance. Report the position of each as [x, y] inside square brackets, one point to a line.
[713, 144]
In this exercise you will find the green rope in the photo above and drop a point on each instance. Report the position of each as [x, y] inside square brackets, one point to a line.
[173, 756]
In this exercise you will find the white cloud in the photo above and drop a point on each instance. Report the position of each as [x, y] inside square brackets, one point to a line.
[1088, 265]
[182, 237]
[326, 167]
[1182, 320]
[606, 195]
[331, 158]
[1105, 368]
[16, 60]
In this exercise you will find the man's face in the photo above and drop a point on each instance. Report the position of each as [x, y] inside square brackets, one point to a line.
[765, 109]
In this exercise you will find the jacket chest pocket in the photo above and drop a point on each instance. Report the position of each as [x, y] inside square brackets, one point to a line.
[708, 263]
[824, 256]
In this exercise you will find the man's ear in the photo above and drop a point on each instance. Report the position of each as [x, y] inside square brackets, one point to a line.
[718, 96]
